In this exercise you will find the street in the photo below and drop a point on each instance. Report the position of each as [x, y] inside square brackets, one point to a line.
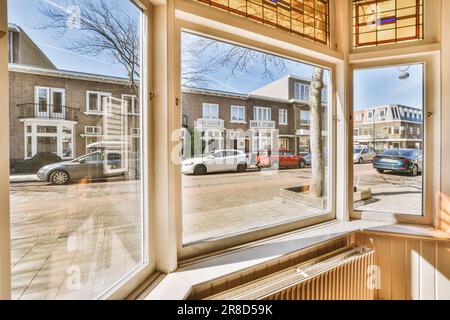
[93, 230]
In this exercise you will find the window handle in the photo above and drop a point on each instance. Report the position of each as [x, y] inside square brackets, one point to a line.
[429, 114]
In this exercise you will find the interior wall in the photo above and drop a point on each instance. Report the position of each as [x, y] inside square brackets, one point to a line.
[410, 268]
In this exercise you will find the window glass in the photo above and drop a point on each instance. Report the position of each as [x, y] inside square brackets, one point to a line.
[385, 22]
[389, 180]
[76, 225]
[306, 18]
[229, 196]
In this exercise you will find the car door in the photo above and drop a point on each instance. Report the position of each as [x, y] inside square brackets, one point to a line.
[90, 166]
[215, 162]
[231, 160]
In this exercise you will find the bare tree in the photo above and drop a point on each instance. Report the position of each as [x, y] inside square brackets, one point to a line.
[235, 59]
[317, 162]
[104, 28]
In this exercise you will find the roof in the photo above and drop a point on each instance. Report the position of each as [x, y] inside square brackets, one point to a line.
[12, 67]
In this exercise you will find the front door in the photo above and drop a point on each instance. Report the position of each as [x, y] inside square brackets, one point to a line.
[57, 103]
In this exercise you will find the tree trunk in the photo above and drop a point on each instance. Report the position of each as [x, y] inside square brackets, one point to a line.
[317, 161]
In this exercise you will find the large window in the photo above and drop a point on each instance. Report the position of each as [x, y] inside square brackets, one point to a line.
[306, 18]
[386, 21]
[389, 151]
[254, 176]
[76, 201]
[237, 114]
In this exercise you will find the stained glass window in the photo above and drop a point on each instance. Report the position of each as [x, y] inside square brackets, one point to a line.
[306, 18]
[378, 22]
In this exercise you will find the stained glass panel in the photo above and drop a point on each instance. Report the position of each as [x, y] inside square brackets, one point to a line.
[306, 18]
[378, 22]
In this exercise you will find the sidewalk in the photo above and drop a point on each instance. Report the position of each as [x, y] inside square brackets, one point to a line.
[17, 178]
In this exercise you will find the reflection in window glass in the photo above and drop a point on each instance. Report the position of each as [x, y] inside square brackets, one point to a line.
[76, 206]
[240, 176]
[388, 141]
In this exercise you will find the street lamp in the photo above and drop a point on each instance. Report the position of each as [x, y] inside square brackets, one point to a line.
[403, 72]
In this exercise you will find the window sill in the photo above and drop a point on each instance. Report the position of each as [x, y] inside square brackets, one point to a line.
[94, 113]
[177, 285]
[239, 122]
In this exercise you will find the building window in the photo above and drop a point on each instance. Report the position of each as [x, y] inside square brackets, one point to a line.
[305, 117]
[358, 118]
[93, 130]
[385, 22]
[301, 92]
[418, 131]
[49, 102]
[11, 47]
[130, 103]
[411, 130]
[238, 114]
[308, 19]
[98, 102]
[50, 137]
[370, 115]
[283, 117]
[262, 114]
[382, 114]
[210, 111]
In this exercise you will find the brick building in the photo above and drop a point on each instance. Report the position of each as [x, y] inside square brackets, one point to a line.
[64, 112]
[390, 126]
[276, 115]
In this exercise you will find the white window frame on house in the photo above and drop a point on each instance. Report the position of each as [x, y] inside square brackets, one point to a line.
[50, 103]
[262, 113]
[100, 96]
[134, 106]
[301, 91]
[11, 46]
[283, 117]
[210, 107]
[358, 117]
[60, 135]
[238, 109]
[369, 115]
[93, 130]
[305, 117]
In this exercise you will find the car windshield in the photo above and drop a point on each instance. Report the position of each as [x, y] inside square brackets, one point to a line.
[402, 153]
[357, 150]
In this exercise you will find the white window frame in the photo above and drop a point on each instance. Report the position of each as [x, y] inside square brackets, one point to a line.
[283, 117]
[369, 115]
[210, 106]
[262, 113]
[49, 97]
[93, 130]
[303, 121]
[11, 46]
[302, 91]
[135, 105]
[238, 109]
[358, 117]
[100, 95]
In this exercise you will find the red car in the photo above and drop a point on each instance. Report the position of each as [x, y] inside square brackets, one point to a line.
[279, 158]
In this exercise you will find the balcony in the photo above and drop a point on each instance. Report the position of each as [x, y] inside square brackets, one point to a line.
[202, 124]
[41, 111]
[262, 124]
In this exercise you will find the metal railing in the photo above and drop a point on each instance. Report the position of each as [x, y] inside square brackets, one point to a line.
[47, 111]
[262, 124]
[209, 123]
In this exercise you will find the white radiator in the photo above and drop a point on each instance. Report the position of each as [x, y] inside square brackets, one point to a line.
[339, 275]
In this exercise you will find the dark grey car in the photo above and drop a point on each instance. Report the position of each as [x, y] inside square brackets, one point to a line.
[95, 165]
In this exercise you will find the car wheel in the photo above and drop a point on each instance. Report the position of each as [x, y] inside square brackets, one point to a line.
[380, 170]
[131, 174]
[302, 164]
[199, 170]
[414, 171]
[59, 177]
[242, 167]
[361, 161]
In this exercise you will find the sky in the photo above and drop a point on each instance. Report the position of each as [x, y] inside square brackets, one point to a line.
[26, 14]
[372, 87]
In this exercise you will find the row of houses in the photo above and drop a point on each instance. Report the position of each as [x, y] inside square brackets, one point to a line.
[65, 112]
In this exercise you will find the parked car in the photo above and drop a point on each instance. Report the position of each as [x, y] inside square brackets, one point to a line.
[308, 159]
[99, 164]
[399, 160]
[363, 154]
[279, 158]
[216, 161]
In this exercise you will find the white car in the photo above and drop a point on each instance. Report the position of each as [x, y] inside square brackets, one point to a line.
[363, 154]
[216, 161]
